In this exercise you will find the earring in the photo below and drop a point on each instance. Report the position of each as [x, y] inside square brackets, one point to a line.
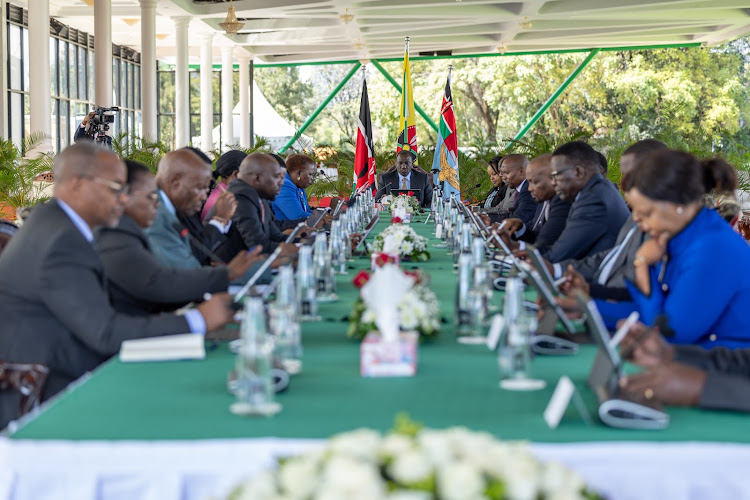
[679, 210]
[299, 177]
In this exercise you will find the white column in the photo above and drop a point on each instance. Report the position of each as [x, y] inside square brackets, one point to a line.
[39, 77]
[245, 90]
[207, 93]
[102, 52]
[148, 69]
[181, 87]
[227, 98]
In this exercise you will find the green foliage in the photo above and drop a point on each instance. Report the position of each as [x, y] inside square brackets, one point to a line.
[132, 147]
[17, 173]
[290, 96]
[403, 424]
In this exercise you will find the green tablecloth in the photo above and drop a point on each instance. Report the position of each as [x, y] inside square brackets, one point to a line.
[455, 385]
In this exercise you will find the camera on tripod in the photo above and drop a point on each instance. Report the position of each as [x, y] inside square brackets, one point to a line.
[99, 124]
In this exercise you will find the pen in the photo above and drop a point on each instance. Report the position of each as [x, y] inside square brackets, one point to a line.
[623, 330]
[626, 353]
[560, 281]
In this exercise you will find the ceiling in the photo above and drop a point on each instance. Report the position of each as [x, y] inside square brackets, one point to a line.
[281, 31]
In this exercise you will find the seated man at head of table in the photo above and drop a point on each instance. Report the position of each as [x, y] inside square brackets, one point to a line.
[138, 282]
[53, 298]
[552, 212]
[406, 177]
[255, 187]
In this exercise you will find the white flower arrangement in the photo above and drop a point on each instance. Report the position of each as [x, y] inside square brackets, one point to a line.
[399, 239]
[418, 310]
[409, 202]
[416, 464]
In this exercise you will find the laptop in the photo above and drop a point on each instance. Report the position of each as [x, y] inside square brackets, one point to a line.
[616, 407]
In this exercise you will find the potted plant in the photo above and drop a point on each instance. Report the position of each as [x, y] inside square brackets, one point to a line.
[19, 186]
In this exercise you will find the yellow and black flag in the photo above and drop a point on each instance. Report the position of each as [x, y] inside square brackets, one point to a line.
[407, 137]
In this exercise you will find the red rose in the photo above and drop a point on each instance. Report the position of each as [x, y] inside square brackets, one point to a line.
[384, 259]
[396, 220]
[410, 193]
[361, 278]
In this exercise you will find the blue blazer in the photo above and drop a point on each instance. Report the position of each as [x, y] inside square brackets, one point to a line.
[593, 223]
[291, 202]
[548, 232]
[705, 290]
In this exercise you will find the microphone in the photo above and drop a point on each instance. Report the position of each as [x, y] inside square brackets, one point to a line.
[330, 181]
[184, 233]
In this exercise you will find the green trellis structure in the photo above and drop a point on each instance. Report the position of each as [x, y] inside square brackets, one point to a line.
[590, 55]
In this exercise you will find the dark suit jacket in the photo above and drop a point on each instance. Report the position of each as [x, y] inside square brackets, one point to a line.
[248, 228]
[524, 207]
[546, 235]
[54, 305]
[139, 284]
[496, 195]
[622, 269]
[594, 220]
[207, 234]
[728, 383]
[418, 180]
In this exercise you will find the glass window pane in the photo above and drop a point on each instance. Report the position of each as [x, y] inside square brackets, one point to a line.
[131, 123]
[53, 67]
[82, 58]
[26, 115]
[116, 82]
[63, 69]
[91, 75]
[131, 86]
[123, 122]
[217, 92]
[139, 124]
[137, 88]
[80, 109]
[195, 129]
[55, 123]
[64, 123]
[124, 88]
[25, 59]
[195, 92]
[166, 92]
[72, 70]
[14, 54]
[16, 117]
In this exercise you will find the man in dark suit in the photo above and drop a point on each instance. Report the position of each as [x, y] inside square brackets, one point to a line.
[406, 177]
[257, 184]
[138, 283]
[687, 375]
[552, 212]
[607, 270]
[53, 301]
[598, 211]
[513, 171]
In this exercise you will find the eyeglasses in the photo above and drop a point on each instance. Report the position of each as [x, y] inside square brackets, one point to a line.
[116, 187]
[555, 173]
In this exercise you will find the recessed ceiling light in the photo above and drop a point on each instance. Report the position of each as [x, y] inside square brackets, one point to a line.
[131, 22]
[162, 36]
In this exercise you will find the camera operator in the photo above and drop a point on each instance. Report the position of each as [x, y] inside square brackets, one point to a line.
[82, 130]
[95, 125]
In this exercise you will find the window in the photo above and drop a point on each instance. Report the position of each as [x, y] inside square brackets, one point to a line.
[71, 80]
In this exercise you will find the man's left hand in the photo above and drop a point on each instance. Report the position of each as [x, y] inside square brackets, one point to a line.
[671, 383]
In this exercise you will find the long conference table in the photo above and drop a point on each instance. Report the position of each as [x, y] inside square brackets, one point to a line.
[163, 430]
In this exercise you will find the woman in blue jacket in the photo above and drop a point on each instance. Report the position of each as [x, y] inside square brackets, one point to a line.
[291, 202]
[693, 269]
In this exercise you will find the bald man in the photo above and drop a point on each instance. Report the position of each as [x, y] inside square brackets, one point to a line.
[53, 303]
[258, 182]
[513, 171]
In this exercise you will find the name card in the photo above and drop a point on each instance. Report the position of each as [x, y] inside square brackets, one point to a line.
[560, 400]
[496, 328]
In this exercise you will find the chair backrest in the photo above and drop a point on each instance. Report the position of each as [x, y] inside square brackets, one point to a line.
[27, 379]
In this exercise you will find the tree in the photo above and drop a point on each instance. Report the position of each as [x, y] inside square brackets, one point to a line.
[287, 93]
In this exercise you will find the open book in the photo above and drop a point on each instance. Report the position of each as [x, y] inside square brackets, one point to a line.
[167, 348]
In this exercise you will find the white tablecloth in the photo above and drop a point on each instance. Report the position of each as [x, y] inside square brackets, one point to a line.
[187, 470]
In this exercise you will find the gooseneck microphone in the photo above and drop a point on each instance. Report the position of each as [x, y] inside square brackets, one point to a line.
[330, 181]
[185, 233]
